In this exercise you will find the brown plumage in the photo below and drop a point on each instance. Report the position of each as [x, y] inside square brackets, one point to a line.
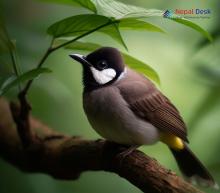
[150, 104]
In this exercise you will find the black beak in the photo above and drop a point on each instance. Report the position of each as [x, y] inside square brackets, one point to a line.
[80, 58]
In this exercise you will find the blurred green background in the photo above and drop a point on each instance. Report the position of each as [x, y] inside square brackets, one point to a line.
[188, 67]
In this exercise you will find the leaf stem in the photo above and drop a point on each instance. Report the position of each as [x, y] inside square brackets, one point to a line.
[14, 64]
[29, 83]
[51, 49]
[85, 34]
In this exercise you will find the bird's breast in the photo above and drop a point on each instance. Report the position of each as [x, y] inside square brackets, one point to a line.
[111, 117]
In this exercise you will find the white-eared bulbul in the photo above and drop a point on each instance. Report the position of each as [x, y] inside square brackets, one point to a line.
[125, 107]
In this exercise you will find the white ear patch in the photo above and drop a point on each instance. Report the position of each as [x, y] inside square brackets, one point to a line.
[103, 76]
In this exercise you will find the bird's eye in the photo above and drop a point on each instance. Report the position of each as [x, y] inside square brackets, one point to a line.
[102, 65]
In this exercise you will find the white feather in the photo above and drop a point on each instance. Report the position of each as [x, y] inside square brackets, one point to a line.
[122, 75]
[103, 76]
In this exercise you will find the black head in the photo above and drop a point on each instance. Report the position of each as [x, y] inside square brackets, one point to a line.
[101, 67]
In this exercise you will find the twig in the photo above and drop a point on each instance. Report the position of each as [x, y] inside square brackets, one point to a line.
[52, 49]
[29, 83]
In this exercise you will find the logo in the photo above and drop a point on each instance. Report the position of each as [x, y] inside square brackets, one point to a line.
[168, 14]
[187, 13]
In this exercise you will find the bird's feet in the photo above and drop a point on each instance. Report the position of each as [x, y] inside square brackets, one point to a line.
[122, 155]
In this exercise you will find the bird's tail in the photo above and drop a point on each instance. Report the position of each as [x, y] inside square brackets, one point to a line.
[192, 168]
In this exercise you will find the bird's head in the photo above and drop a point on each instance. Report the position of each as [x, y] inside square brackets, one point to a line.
[101, 67]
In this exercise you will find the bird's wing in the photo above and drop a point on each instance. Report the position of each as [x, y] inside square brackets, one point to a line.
[148, 103]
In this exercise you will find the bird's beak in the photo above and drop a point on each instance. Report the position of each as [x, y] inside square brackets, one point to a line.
[80, 58]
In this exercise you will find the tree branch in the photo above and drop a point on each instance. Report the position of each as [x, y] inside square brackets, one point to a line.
[65, 157]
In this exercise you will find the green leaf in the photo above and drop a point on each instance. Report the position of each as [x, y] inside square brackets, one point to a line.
[119, 10]
[113, 31]
[13, 81]
[111, 8]
[76, 25]
[193, 26]
[82, 24]
[8, 48]
[7, 81]
[215, 35]
[129, 60]
[88, 4]
[141, 67]
[78, 45]
[135, 24]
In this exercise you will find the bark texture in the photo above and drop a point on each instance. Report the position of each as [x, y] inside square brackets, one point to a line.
[34, 147]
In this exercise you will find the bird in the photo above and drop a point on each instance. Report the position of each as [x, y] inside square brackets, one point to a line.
[125, 107]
